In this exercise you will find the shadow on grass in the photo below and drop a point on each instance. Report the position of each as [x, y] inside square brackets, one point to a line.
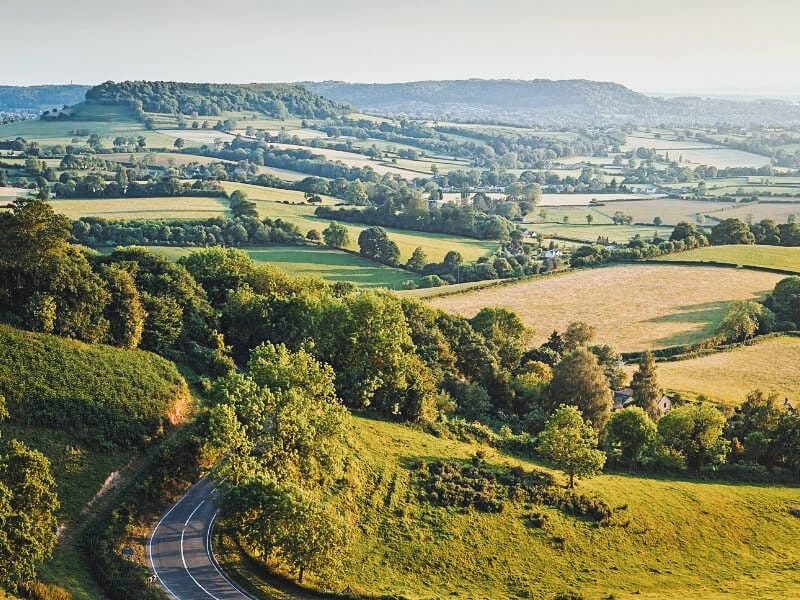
[709, 314]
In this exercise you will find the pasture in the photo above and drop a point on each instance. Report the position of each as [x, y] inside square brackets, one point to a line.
[589, 233]
[633, 307]
[584, 199]
[692, 151]
[435, 245]
[777, 257]
[680, 539]
[316, 261]
[727, 377]
[167, 207]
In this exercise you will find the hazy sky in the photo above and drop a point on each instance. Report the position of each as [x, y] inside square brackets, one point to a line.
[672, 45]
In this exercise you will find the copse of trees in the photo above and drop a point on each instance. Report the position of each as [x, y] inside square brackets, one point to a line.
[766, 231]
[278, 100]
[239, 231]
[95, 185]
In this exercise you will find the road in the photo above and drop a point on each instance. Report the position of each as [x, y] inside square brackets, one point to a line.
[179, 550]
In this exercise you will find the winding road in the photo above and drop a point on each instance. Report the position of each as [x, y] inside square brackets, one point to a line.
[179, 550]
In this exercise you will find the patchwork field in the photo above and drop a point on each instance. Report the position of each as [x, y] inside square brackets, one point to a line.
[581, 199]
[302, 215]
[674, 539]
[670, 210]
[634, 307]
[697, 152]
[777, 257]
[326, 263]
[168, 207]
[727, 377]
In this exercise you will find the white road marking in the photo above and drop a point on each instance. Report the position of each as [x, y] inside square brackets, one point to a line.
[150, 548]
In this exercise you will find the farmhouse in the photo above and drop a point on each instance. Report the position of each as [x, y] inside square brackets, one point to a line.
[624, 398]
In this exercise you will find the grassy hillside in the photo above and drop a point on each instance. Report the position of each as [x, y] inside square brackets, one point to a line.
[668, 539]
[317, 261]
[634, 307]
[777, 257]
[94, 392]
[727, 377]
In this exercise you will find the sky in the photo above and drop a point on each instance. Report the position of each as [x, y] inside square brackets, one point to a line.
[678, 46]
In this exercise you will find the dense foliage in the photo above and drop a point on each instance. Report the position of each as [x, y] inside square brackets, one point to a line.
[98, 393]
[278, 100]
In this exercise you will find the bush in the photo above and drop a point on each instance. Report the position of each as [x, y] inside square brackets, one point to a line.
[43, 591]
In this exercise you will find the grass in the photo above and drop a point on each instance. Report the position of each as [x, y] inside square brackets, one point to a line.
[777, 257]
[633, 307]
[80, 471]
[301, 214]
[727, 377]
[167, 207]
[327, 263]
[590, 233]
[671, 539]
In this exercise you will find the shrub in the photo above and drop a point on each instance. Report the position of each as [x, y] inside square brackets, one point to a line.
[37, 590]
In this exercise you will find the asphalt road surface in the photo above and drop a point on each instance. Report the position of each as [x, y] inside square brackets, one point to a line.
[179, 550]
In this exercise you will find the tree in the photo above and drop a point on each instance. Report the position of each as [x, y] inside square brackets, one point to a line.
[375, 244]
[630, 435]
[336, 235]
[283, 521]
[124, 310]
[579, 381]
[313, 235]
[356, 193]
[287, 407]
[657, 221]
[754, 424]
[179, 143]
[28, 506]
[611, 363]
[417, 260]
[646, 391]
[505, 333]
[571, 444]
[731, 231]
[785, 300]
[589, 219]
[695, 431]
[744, 319]
[578, 334]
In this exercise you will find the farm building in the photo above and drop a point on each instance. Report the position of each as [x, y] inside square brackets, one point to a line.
[624, 398]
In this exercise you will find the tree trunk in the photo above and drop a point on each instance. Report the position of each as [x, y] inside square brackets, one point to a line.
[300, 574]
[571, 480]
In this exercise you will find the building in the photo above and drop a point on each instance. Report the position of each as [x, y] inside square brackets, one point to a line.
[624, 398]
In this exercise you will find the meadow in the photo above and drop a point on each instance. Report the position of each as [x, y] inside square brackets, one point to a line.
[777, 257]
[316, 261]
[589, 233]
[301, 214]
[670, 539]
[167, 207]
[633, 307]
[696, 152]
[726, 377]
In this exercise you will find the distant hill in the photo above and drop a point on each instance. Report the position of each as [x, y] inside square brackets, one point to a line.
[274, 99]
[544, 101]
[38, 98]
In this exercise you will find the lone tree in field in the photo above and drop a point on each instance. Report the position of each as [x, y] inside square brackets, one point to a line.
[571, 444]
[579, 380]
[335, 235]
[646, 392]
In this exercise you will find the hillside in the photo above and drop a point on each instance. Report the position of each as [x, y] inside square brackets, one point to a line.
[214, 98]
[96, 393]
[37, 98]
[667, 539]
[548, 102]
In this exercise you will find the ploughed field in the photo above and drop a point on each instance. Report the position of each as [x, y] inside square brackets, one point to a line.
[633, 307]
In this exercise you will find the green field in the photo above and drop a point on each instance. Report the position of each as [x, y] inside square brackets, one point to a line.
[633, 307]
[671, 539]
[727, 377]
[167, 207]
[302, 215]
[106, 121]
[327, 263]
[590, 233]
[777, 257]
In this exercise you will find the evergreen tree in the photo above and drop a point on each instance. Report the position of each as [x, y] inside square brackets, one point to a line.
[646, 392]
[579, 380]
